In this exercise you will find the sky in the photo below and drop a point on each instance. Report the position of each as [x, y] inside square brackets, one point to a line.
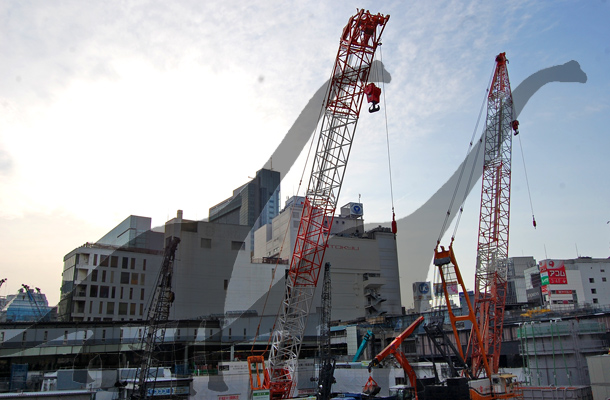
[118, 108]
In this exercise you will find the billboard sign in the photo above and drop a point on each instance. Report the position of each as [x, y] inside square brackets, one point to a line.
[553, 272]
[452, 289]
[422, 291]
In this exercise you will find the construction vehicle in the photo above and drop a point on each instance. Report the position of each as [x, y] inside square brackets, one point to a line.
[394, 349]
[487, 313]
[359, 40]
[154, 332]
[365, 340]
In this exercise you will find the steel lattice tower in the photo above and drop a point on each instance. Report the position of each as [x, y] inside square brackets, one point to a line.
[350, 74]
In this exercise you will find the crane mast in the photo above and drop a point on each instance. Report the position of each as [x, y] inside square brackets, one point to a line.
[327, 363]
[350, 74]
[158, 314]
[492, 250]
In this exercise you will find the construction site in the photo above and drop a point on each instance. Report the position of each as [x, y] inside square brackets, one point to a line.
[307, 304]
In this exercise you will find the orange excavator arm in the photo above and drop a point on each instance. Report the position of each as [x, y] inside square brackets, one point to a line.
[394, 349]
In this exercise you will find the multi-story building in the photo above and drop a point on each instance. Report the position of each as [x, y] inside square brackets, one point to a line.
[516, 294]
[364, 265]
[27, 305]
[566, 284]
[112, 279]
[253, 204]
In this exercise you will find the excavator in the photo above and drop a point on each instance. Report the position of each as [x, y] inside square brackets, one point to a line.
[393, 348]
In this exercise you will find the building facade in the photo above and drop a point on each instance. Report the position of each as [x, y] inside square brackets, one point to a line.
[364, 265]
[567, 284]
[112, 279]
[253, 204]
[26, 305]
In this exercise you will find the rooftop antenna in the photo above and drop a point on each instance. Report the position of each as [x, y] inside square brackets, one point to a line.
[545, 256]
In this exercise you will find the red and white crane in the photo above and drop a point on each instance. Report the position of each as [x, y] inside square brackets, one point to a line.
[487, 313]
[492, 250]
[349, 78]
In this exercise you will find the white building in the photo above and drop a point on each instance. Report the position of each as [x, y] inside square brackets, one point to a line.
[112, 279]
[565, 284]
[364, 265]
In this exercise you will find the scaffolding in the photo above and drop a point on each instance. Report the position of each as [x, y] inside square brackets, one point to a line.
[554, 352]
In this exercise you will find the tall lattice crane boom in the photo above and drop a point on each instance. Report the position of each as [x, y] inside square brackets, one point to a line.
[487, 313]
[327, 363]
[350, 74]
[158, 315]
[492, 251]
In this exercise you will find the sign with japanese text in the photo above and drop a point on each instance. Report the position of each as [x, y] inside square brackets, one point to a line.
[553, 272]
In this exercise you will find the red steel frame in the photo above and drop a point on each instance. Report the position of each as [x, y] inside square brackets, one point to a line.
[492, 250]
[358, 43]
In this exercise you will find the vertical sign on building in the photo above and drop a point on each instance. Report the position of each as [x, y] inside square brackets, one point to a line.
[19, 376]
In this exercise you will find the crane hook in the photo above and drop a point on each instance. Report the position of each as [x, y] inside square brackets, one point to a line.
[372, 96]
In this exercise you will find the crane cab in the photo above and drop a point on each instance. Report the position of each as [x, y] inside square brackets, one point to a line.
[503, 384]
[401, 392]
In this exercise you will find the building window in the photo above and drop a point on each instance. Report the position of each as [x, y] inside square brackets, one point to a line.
[94, 275]
[144, 265]
[142, 276]
[132, 309]
[103, 261]
[603, 279]
[206, 243]
[125, 278]
[93, 291]
[141, 309]
[111, 276]
[595, 301]
[591, 280]
[238, 245]
[125, 262]
[104, 276]
[121, 292]
[113, 293]
[133, 263]
[134, 278]
[101, 308]
[95, 259]
[142, 294]
[110, 308]
[226, 284]
[114, 261]
[122, 308]
[593, 290]
[104, 291]
[130, 293]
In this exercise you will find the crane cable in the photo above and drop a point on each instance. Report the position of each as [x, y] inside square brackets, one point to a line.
[387, 135]
[457, 186]
[527, 184]
[260, 320]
